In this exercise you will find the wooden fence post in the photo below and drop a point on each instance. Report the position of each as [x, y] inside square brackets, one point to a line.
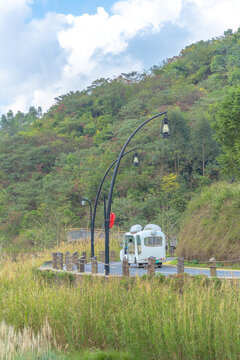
[74, 258]
[80, 264]
[59, 261]
[125, 267]
[213, 267]
[151, 266]
[94, 265]
[84, 255]
[54, 260]
[69, 261]
[180, 265]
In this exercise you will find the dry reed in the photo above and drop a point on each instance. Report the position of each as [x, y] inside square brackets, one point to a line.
[14, 342]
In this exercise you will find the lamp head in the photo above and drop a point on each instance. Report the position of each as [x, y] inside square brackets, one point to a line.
[135, 159]
[165, 127]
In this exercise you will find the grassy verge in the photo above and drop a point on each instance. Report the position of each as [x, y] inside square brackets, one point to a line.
[202, 265]
[158, 318]
[86, 355]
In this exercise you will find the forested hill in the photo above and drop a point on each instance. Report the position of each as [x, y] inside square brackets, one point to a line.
[47, 162]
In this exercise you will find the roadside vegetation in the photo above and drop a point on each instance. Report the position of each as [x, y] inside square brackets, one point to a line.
[197, 264]
[211, 225]
[167, 318]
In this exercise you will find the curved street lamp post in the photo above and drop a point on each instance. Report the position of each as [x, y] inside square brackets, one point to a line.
[91, 222]
[93, 214]
[97, 198]
[165, 131]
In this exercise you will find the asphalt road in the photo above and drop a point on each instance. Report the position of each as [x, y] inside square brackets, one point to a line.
[116, 269]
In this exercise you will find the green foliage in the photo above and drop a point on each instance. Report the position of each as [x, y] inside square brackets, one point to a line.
[48, 161]
[226, 125]
[205, 149]
[218, 63]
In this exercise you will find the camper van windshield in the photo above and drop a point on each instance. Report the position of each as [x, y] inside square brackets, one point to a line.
[128, 238]
[153, 241]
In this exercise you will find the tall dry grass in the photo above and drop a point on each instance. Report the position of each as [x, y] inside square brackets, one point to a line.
[85, 245]
[151, 319]
[15, 343]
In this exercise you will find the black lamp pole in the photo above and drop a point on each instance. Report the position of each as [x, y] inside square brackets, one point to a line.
[91, 223]
[107, 219]
[97, 198]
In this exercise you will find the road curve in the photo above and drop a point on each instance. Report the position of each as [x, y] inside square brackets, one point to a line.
[116, 269]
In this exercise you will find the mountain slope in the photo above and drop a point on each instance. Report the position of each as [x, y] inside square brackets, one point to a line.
[49, 161]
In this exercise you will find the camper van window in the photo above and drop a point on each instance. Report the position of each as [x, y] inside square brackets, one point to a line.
[129, 246]
[138, 240]
[139, 246]
[153, 241]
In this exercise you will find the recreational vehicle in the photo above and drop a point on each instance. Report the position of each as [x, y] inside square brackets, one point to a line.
[139, 244]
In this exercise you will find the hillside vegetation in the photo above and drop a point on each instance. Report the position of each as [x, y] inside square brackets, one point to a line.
[211, 224]
[48, 161]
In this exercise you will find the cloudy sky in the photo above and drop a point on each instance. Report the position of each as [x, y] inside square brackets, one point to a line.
[50, 47]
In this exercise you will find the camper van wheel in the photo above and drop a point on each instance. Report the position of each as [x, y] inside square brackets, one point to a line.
[159, 265]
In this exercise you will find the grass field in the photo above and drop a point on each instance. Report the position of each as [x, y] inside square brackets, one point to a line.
[158, 318]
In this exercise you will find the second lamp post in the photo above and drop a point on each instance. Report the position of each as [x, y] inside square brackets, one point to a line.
[91, 223]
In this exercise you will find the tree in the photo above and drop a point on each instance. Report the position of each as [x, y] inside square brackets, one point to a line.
[179, 138]
[227, 127]
[218, 63]
[204, 147]
[39, 112]
[8, 123]
[4, 122]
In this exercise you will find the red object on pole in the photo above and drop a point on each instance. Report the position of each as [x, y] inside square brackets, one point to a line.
[112, 219]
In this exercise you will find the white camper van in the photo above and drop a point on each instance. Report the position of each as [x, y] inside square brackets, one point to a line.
[139, 244]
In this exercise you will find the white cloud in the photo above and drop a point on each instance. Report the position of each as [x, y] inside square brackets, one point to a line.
[43, 58]
[135, 15]
[206, 19]
[15, 5]
[31, 59]
[110, 34]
